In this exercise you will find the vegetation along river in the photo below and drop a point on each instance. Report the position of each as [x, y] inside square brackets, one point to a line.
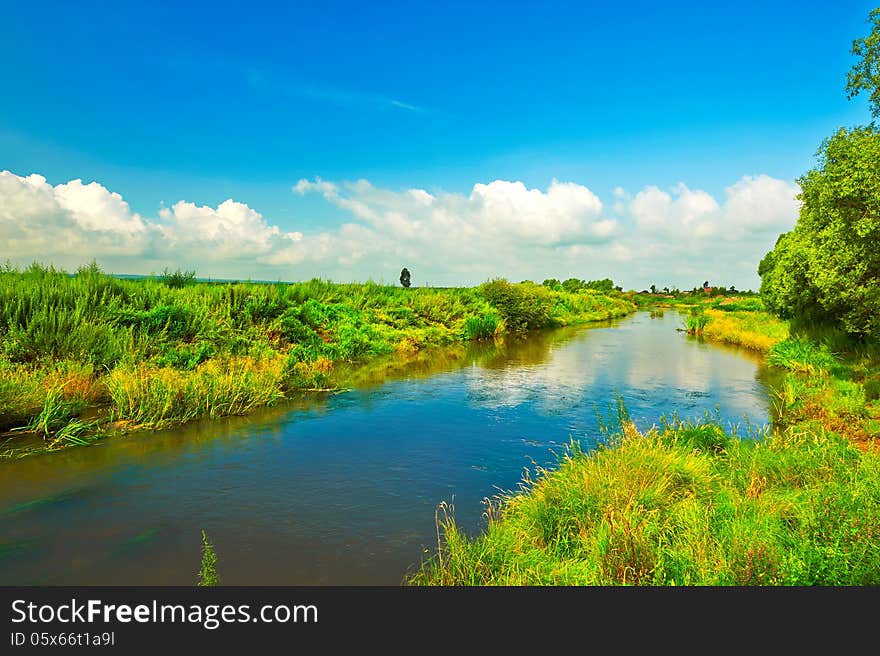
[341, 489]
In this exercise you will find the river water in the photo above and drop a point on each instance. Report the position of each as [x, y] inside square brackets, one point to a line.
[342, 489]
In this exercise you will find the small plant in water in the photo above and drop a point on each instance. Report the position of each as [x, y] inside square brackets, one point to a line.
[695, 322]
[208, 573]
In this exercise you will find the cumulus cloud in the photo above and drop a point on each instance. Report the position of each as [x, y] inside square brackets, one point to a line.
[500, 228]
[73, 222]
[232, 230]
[752, 205]
[500, 211]
[37, 219]
[685, 232]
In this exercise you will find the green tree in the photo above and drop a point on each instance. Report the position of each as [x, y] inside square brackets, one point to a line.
[404, 277]
[572, 285]
[828, 268]
[865, 73]
[604, 285]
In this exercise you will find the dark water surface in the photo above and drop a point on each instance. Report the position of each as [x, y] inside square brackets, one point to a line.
[342, 489]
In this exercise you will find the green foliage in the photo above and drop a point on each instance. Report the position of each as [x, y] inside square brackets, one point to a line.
[523, 306]
[55, 413]
[865, 73]
[827, 269]
[208, 573]
[572, 285]
[605, 285]
[481, 327]
[740, 305]
[186, 356]
[803, 356]
[177, 279]
[696, 321]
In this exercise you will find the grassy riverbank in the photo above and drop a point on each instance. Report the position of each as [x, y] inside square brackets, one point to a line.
[86, 353]
[691, 504]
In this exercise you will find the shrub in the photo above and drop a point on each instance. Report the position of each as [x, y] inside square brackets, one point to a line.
[177, 279]
[523, 307]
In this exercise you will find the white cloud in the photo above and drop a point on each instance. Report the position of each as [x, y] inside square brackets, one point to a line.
[37, 219]
[676, 237]
[499, 213]
[232, 230]
[686, 236]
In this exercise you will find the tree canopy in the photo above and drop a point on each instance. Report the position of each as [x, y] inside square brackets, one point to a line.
[865, 73]
[828, 268]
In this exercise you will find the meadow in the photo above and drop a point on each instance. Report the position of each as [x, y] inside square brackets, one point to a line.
[85, 354]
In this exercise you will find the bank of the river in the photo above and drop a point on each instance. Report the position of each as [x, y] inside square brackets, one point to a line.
[690, 504]
[86, 354]
[340, 489]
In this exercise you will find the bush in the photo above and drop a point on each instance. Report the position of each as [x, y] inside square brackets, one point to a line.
[178, 279]
[523, 307]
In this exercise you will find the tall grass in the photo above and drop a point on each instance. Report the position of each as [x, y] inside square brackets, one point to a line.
[687, 504]
[153, 396]
[802, 355]
[756, 331]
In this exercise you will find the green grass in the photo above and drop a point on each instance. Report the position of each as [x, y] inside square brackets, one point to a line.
[686, 504]
[803, 356]
[169, 349]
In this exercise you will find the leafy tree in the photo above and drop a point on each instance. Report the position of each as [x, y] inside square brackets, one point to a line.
[865, 73]
[653, 289]
[604, 285]
[828, 268]
[572, 285]
[553, 284]
[404, 277]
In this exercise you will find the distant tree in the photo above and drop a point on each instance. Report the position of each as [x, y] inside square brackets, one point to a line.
[177, 279]
[653, 289]
[865, 73]
[553, 284]
[605, 285]
[666, 290]
[572, 285]
[404, 277]
[705, 284]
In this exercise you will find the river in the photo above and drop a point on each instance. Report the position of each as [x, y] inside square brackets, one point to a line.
[341, 489]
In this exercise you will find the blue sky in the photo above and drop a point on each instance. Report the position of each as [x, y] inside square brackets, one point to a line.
[161, 103]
